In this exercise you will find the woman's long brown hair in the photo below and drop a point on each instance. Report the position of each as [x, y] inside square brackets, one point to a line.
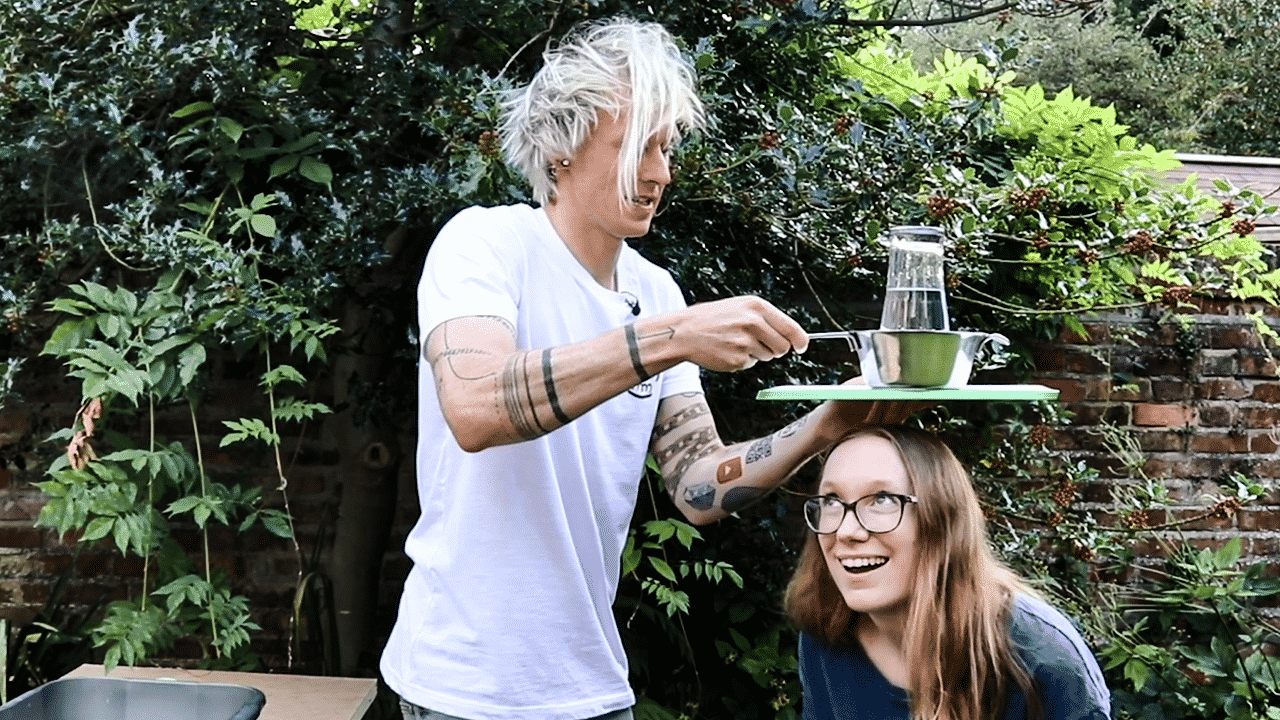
[962, 663]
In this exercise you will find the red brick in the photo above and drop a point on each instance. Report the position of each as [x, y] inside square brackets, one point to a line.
[1087, 415]
[1217, 362]
[1068, 390]
[1221, 389]
[1213, 305]
[1049, 359]
[1084, 362]
[1261, 417]
[1159, 440]
[1266, 392]
[1072, 337]
[1259, 519]
[1263, 443]
[1170, 391]
[1153, 415]
[1231, 337]
[1219, 414]
[1261, 546]
[1267, 469]
[1256, 363]
[1219, 442]
[22, 536]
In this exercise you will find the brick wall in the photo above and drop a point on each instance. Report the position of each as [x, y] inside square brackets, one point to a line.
[1200, 403]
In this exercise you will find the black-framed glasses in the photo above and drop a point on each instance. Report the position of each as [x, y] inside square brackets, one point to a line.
[877, 513]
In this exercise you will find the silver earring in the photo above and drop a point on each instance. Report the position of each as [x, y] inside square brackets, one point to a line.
[564, 162]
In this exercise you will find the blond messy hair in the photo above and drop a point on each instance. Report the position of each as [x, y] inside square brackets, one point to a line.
[615, 65]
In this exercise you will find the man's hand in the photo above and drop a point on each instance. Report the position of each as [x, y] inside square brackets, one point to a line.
[842, 417]
[724, 336]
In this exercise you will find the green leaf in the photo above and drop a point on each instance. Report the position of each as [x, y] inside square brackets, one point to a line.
[1228, 555]
[631, 556]
[68, 336]
[97, 529]
[277, 523]
[283, 165]
[193, 108]
[302, 143]
[264, 225]
[1137, 672]
[316, 171]
[282, 373]
[231, 128]
[183, 504]
[663, 568]
[189, 362]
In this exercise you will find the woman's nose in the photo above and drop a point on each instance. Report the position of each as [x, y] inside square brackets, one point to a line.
[851, 528]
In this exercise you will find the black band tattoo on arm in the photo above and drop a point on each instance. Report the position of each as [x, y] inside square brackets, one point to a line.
[633, 348]
[520, 410]
[551, 388]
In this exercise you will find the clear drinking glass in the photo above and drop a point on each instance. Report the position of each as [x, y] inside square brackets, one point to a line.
[915, 294]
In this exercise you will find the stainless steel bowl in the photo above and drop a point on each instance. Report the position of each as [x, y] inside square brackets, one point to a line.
[916, 358]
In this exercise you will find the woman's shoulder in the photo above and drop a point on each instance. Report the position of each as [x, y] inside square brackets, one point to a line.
[1037, 625]
[1055, 652]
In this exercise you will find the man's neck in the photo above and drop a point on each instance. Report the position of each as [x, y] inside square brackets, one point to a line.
[596, 251]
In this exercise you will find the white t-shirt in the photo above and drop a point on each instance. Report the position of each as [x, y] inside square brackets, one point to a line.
[507, 612]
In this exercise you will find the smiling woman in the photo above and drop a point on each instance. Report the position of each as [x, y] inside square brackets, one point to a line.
[898, 595]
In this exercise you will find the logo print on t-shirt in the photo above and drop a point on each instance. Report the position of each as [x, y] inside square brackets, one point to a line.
[643, 390]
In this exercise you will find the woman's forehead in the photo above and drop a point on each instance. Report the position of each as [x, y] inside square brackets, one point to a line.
[865, 464]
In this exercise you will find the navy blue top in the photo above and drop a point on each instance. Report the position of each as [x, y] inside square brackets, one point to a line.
[843, 683]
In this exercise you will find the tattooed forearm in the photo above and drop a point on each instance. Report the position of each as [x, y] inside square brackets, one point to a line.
[679, 419]
[701, 497]
[693, 442]
[547, 376]
[760, 449]
[740, 497]
[517, 396]
[793, 428]
[689, 459]
[633, 349]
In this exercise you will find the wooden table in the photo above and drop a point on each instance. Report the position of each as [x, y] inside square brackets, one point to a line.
[289, 697]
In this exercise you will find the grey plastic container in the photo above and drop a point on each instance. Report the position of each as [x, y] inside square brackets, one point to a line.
[105, 698]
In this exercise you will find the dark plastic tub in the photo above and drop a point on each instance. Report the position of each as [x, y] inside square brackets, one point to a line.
[105, 698]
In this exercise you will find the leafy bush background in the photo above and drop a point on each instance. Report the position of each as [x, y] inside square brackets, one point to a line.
[191, 178]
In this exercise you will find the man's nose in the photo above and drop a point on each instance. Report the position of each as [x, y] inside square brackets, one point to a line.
[655, 166]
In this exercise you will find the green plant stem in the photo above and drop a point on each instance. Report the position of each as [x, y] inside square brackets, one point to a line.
[146, 556]
[97, 227]
[995, 303]
[284, 481]
[204, 531]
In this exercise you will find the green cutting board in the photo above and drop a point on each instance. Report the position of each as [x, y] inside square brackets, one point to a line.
[864, 392]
